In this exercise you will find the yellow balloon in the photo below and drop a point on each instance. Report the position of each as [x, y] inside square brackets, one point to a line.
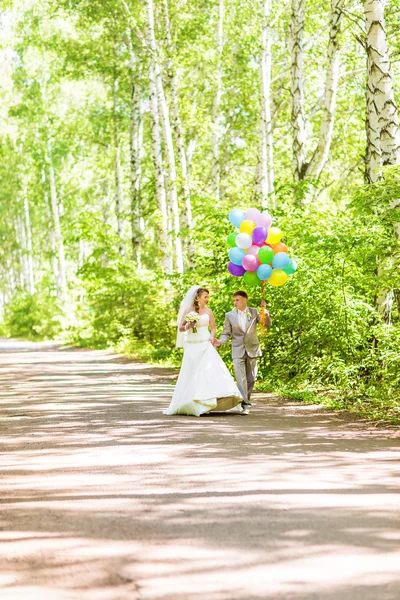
[278, 278]
[247, 226]
[274, 235]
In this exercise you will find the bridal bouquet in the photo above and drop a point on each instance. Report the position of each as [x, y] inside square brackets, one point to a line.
[192, 317]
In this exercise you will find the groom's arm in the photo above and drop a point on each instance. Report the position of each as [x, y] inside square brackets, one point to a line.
[268, 321]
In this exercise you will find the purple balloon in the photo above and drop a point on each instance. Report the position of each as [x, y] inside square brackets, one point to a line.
[235, 270]
[250, 262]
[259, 235]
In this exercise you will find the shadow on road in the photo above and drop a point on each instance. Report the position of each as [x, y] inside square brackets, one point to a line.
[105, 497]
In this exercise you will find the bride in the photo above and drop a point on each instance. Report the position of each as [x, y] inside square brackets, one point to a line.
[204, 383]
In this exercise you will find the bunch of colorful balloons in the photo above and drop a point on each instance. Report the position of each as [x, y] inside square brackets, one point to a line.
[256, 251]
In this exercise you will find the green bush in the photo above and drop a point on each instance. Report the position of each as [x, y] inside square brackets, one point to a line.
[32, 316]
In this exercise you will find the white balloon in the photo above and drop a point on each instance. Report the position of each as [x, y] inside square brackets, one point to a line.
[243, 240]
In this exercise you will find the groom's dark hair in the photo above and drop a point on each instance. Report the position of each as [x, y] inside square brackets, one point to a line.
[240, 293]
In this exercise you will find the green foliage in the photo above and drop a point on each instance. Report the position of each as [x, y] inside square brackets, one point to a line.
[34, 317]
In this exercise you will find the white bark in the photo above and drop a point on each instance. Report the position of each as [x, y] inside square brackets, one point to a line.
[117, 168]
[136, 149]
[266, 158]
[28, 228]
[159, 169]
[297, 88]
[380, 92]
[321, 154]
[52, 237]
[177, 123]
[61, 279]
[217, 116]
[167, 134]
[21, 250]
[373, 155]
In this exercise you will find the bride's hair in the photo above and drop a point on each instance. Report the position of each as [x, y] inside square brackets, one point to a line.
[196, 300]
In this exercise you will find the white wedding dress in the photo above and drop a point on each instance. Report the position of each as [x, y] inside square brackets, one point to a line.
[204, 383]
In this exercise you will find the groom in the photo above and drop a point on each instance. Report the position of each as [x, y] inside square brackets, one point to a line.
[241, 325]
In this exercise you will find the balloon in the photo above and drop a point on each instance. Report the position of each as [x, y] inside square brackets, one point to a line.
[259, 235]
[250, 262]
[251, 278]
[253, 250]
[265, 254]
[236, 255]
[236, 216]
[264, 272]
[278, 278]
[265, 220]
[236, 270]
[280, 247]
[243, 240]
[231, 239]
[274, 235]
[291, 267]
[247, 226]
[252, 214]
[280, 260]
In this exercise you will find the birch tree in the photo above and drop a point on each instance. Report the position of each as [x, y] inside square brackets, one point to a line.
[297, 88]
[266, 157]
[179, 136]
[117, 165]
[314, 166]
[59, 241]
[167, 134]
[217, 116]
[382, 119]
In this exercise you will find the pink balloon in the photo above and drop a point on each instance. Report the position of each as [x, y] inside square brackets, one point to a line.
[266, 220]
[250, 262]
[252, 214]
[253, 250]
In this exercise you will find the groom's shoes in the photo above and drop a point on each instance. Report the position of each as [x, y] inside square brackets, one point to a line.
[245, 410]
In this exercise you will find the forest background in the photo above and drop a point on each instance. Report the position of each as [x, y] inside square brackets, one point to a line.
[128, 131]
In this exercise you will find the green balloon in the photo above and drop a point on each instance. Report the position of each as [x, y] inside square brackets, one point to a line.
[291, 267]
[251, 278]
[231, 239]
[265, 254]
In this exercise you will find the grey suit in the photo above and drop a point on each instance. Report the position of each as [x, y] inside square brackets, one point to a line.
[245, 349]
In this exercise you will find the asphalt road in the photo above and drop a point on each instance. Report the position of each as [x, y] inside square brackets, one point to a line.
[102, 497]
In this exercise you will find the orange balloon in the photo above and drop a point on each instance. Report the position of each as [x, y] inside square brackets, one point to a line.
[280, 247]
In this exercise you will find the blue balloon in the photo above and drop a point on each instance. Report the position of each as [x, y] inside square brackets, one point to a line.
[236, 216]
[264, 272]
[236, 255]
[280, 260]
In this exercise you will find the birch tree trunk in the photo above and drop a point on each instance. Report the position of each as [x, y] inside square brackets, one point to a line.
[28, 243]
[136, 144]
[266, 157]
[217, 116]
[167, 134]
[21, 251]
[321, 153]
[177, 124]
[159, 169]
[61, 279]
[382, 112]
[297, 89]
[117, 167]
[52, 237]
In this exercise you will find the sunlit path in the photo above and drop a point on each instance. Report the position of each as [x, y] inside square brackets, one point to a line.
[104, 498]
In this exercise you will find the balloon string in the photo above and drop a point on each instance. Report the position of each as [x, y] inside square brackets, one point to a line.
[262, 310]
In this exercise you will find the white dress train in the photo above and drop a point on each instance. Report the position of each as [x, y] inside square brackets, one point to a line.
[204, 383]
